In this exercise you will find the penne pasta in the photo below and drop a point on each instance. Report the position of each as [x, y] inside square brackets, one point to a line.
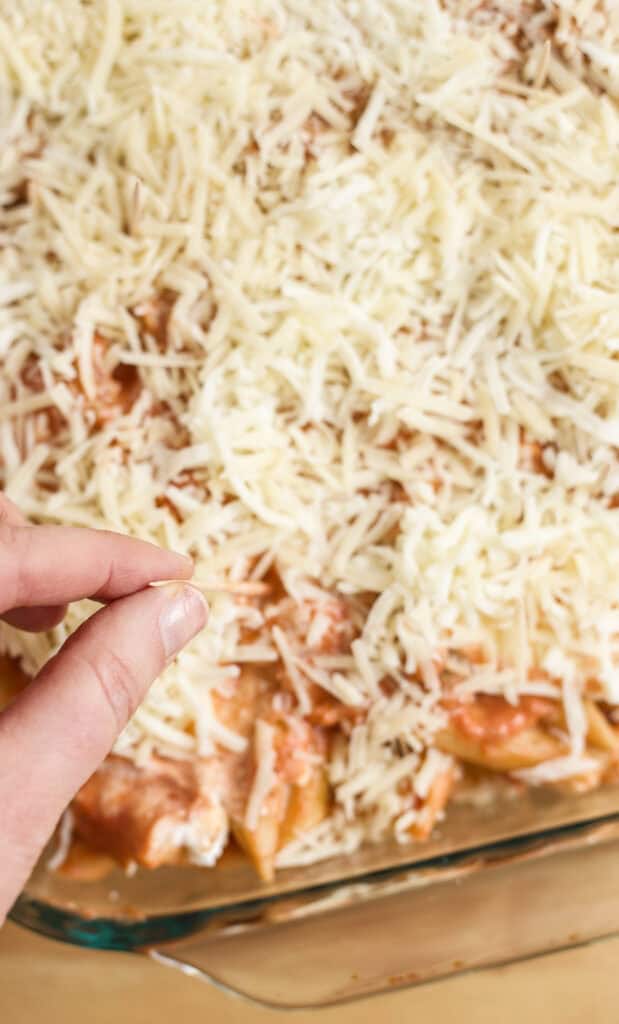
[523, 750]
[435, 804]
[262, 842]
[600, 732]
[308, 806]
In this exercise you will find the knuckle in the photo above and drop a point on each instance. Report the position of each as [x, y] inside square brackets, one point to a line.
[107, 580]
[118, 685]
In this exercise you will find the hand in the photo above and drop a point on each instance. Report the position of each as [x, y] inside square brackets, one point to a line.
[60, 728]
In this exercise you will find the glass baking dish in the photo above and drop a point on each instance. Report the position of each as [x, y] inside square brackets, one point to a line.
[498, 882]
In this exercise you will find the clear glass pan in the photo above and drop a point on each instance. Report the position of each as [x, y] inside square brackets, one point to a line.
[499, 882]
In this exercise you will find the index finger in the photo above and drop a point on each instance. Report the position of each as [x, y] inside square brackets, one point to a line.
[51, 565]
[35, 619]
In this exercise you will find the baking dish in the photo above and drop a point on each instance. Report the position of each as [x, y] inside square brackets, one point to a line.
[500, 881]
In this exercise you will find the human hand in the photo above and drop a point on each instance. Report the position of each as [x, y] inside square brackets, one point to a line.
[60, 728]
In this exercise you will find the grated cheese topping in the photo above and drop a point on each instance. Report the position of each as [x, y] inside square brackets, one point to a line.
[331, 289]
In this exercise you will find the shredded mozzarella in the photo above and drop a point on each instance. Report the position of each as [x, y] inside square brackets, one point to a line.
[328, 287]
[264, 776]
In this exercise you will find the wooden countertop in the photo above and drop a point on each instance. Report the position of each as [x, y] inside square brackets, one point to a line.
[46, 981]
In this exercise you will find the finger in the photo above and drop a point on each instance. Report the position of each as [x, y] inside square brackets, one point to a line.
[9, 512]
[35, 620]
[47, 565]
[62, 726]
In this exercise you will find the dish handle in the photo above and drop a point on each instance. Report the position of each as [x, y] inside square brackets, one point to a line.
[413, 928]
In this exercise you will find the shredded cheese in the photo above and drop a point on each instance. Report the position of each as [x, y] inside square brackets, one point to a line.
[264, 777]
[329, 287]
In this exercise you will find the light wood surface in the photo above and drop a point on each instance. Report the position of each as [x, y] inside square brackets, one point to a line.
[43, 982]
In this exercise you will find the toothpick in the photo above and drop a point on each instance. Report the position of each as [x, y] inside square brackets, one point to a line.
[245, 588]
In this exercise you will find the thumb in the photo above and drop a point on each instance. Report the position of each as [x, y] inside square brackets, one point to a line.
[63, 725]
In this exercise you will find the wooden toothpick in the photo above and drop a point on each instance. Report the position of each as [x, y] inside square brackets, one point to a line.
[245, 588]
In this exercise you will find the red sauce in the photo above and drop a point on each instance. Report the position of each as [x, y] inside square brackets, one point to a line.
[328, 712]
[488, 718]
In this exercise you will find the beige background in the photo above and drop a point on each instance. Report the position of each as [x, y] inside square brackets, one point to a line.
[43, 981]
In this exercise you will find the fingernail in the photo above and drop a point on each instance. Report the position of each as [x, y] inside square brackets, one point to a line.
[183, 615]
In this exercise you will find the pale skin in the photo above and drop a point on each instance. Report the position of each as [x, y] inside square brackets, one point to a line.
[62, 726]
